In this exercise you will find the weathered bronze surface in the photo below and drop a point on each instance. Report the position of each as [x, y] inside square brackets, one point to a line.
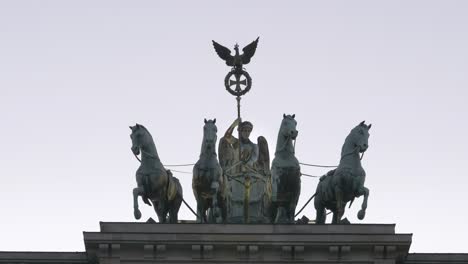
[241, 187]
[237, 77]
[246, 166]
[238, 60]
[155, 184]
[208, 182]
[285, 174]
[345, 183]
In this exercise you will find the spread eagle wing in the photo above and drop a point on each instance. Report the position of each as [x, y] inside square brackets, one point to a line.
[224, 53]
[249, 51]
[263, 161]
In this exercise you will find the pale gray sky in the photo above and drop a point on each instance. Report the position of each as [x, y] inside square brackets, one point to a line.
[75, 74]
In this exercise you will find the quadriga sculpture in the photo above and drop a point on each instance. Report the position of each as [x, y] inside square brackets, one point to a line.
[346, 182]
[208, 182]
[154, 182]
[285, 173]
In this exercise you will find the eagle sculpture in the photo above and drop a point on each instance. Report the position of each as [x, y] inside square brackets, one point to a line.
[237, 60]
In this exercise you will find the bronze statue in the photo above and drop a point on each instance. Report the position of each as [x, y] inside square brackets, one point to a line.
[285, 174]
[249, 150]
[241, 187]
[241, 77]
[238, 60]
[346, 182]
[247, 172]
[208, 182]
[154, 182]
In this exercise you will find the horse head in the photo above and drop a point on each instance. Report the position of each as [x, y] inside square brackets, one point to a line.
[359, 137]
[288, 127]
[136, 136]
[141, 138]
[209, 135]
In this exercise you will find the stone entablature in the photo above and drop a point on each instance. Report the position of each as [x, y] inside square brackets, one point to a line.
[126, 243]
[216, 243]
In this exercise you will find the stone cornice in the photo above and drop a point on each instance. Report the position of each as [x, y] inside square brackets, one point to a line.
[217, 243]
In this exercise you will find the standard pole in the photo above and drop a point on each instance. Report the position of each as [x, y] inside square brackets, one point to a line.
[238, 98]
[246, 178]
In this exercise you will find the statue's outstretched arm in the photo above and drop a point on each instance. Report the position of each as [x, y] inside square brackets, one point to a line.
[228, 134]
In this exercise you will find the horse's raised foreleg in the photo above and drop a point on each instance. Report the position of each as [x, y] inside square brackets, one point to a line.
[138, 191]
[363, 191]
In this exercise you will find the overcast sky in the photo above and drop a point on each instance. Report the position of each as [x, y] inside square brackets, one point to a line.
[75, 74]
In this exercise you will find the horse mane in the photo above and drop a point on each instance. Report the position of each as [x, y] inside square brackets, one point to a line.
[146, 130]
[281, 147]
[348, 140]
[142, 126]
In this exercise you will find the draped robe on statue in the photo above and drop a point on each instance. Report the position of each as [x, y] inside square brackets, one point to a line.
[253, 162]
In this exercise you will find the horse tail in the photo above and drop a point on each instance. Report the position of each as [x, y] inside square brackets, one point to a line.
[178, 186]
[169, 178]
[173, 187]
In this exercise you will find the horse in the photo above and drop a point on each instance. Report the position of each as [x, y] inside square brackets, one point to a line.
[208, 182]
[346, 182]
[285, 173]
[154, 182]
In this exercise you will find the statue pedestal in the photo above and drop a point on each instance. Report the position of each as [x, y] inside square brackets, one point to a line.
[238, 243]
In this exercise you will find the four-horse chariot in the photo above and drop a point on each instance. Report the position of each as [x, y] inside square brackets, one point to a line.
[237, 184]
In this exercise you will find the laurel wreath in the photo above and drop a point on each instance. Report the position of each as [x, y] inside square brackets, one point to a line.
[241, 92]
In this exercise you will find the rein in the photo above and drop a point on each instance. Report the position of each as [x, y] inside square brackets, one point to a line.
[136, 156]
[352, 152]
[288, 137]
[142, 151]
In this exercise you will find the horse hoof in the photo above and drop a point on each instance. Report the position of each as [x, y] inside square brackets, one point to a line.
[361, 214]
[137, 214]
